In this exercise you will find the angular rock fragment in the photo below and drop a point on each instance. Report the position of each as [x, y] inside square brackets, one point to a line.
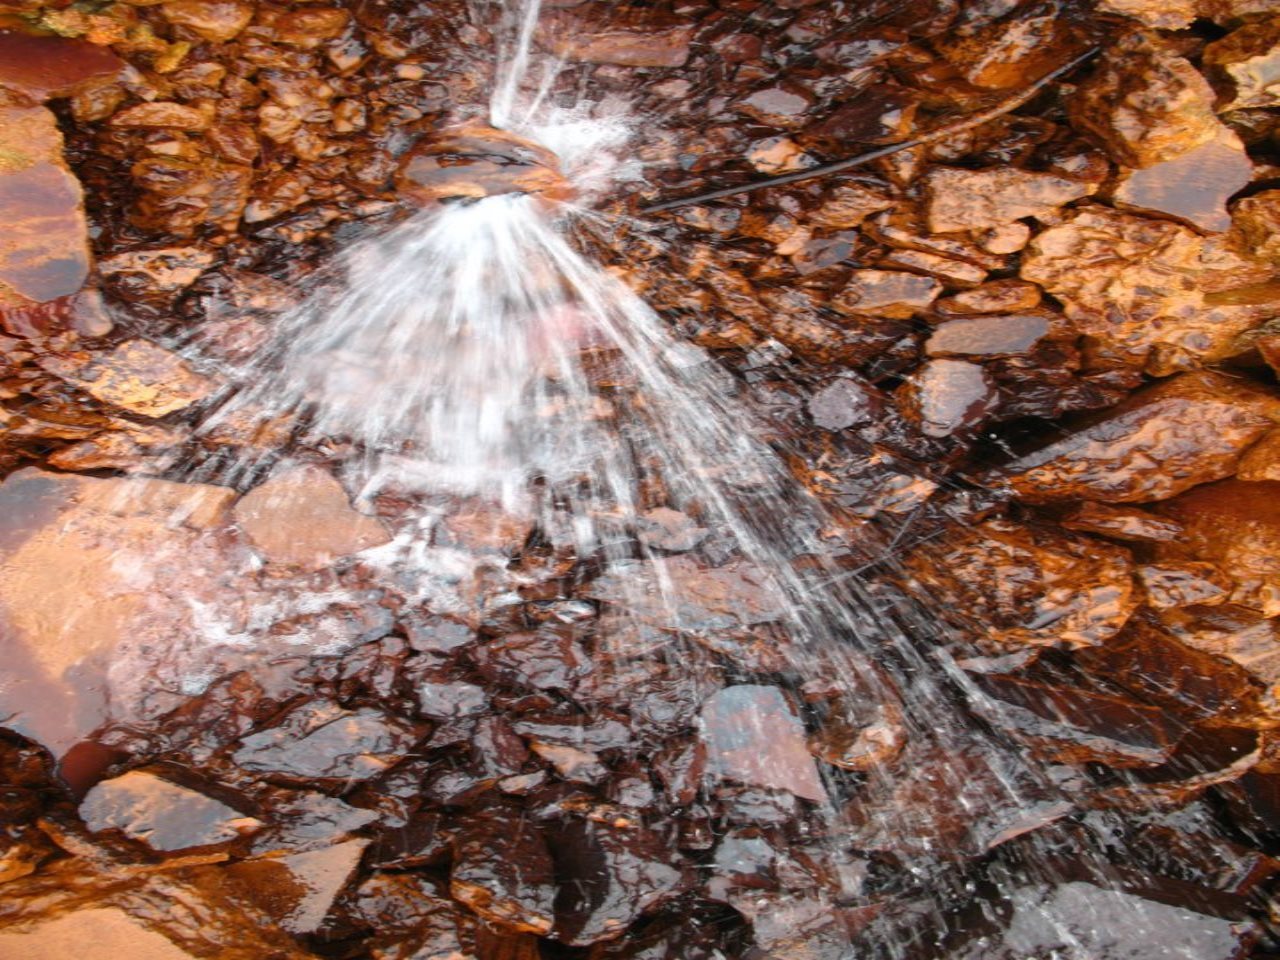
[754, 737]
[503, 871]
[842, 403]
[412, 919]
[961, 199]
[45, 253]
[137, 376]
[298, 891]
[1192, 187]
[1249, 58]
[543, 661]
[1122, 523]
[163, 815]
[1018, 584]
[322, 741]
[157, 274]
[619, 39]
[1183, 584]
[302, 516]
[886, 293]
[1188, 430]
[160, 114]
[50, 68]
[216, 20]
[608, 878]
[988, 336]
[945, 397]
[1262, 460]
[785, 105]
[666, 529]
[999, 296]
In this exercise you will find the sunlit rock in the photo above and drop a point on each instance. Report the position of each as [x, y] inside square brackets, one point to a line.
[50, 68]
[297, 891]
[1188, 430]
[1257, 218]
[137, 376]
[1017, 584]
[754, 737]
[302, 516]
[1248, 58]
[161, 814]
[45, 252]
[960, 199]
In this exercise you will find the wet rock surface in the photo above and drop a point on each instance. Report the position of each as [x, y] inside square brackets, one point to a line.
[1031, 368]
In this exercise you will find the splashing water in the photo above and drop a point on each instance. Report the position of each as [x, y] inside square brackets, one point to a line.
[472, 352]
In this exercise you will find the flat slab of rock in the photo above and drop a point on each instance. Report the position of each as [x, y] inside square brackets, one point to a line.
[1192, 187]
[961, 199]
[988, 336]
[44, 253]
[101, 933]
[322, 741]
[302, 516]
[754, 737]
[886, 293]
[138, 376]
[947, 396]
[298, 891]
[48, 68]
[161, 814]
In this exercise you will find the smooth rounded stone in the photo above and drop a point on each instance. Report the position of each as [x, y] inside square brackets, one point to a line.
[948, 396]
[137, 376]
[49, 68]
[163, 815]
[886, 293]
[476, 161]
[45, 253]
[215, 20]
[600, 33]
[98, 933]
[1145, 103]
[302, 516]
[999, 296]
[93, 569]
[609, 877]
[959, 199]
[1249, 58]
[298, 891]
[753, 737]
[842, 403]
[987, 336]
[1185, 431]
[1192, 187]
[323, 741]
[1072, 590]
[503, 871]
[784, 105]
[1234, 525]
[1080, 921]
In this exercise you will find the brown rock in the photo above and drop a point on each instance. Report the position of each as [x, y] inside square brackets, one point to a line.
[1257, 218]
[163, 815]
[666, 529]
[321, 741]
[137, 376]
[503, 871]
[1262, 460]
[988, 336]
[886, 293]
[947, 396]
[1183, 584]
[162, 114]
[1006, 238]
[1241, 637]
[999, 296]
[842, 403]
[44, 253]
[1192, 187]
[97, 933]
[1121, 523]
[479, 161]
[1235, 525]
[959, 273]
[1145, 103]
[159, 273]
[599, 34]
[1249, 58]
[1173, 15]
[48, 68]
[960, 199]
[1008, 52]
[754, 737]
[784, 105]
[216, 20]
[1185, 431]
[298, 891]
[1017, 584]
[845, 205]
[302, 516]
[309, 26]
[881, 113]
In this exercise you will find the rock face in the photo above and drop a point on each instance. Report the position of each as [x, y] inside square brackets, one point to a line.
[45, 251]
[302, 516]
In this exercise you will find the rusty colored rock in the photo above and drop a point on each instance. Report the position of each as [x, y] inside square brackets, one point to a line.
[302, 516]
[479, 161]
[321, 741]
[1145, 103]
[842, 403]
[1185, 431]
[1008, 52]
[1160, 14]
[162, 114]
[845, 205]
[44, 253]
[298, 891]
[1183, 584]
[945, 397]
[215, 20]
[1257, 218]
[1122, 523]
[959, 273]
[503, 871]
[988, 336]
[754, 737]
[960, 199]
[886, 293]
[1262, 460]
[97, 933]
[137, 376]
[1019, 584]
[1249, 59]
[999, 296]
[666, 529]
[785, 105]
[161, 814]
[622, 39]
[1234, 525]
[1192, 187]
[48, 68]
[160, 270]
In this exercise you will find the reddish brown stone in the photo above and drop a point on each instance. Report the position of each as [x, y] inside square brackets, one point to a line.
[47, 68]
[96, 933]
[754, 737]
[216, 20]
[1122, 523]
[298, 891]
[137, 376]
[959, 273]
[479, 161]
[1182, 432]
[302, 516]
[886, 293]
[1183, 584]
[44, 252]
[1192, 187]
[999, 296]
[600, 35]
[960, 199]
[1262, 460]
[785, 106]
[948, 396]
[162, 814]
[989, 336]
[1249, 58]
[162, 114]
[846, 205]
[1257, 218]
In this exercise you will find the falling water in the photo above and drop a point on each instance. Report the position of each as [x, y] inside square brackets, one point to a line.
[473, 353]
